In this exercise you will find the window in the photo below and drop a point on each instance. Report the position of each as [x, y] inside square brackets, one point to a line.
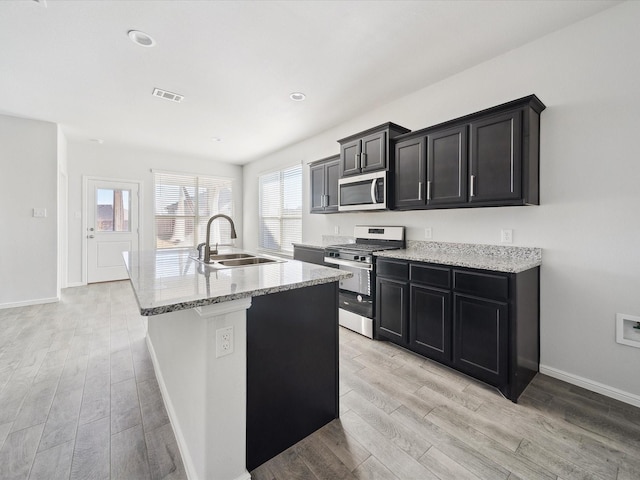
[183, 206]
[113, 208]
[281, 209]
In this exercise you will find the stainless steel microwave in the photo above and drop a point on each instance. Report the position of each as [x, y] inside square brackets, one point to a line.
[363, 192]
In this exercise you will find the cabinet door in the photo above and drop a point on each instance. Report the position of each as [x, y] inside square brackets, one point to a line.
[430, 322]
[392, 309]
[410, 172]
[331, 176]
[317, 181]
[480, 331]
[350, 158]
[447, 166]
[495, 160]
[374, 152]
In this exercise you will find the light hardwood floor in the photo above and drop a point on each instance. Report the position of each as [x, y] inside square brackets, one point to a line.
[79, 400]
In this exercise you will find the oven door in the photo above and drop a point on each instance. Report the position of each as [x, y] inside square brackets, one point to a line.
[363, 192]
[360, 283]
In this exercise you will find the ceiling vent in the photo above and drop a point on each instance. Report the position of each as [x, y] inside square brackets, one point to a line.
[174, 97]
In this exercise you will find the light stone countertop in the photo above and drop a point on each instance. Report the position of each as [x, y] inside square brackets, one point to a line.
[166, 281]
[485, 257]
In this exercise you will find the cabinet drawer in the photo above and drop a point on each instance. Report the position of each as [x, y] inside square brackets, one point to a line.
[481, 284]
[428, 275]
[393, 269]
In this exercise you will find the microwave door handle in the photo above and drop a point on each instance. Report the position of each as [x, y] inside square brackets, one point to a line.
[373, 190]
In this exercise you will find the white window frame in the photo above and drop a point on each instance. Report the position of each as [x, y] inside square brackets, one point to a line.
[197, 217]
[282, 250]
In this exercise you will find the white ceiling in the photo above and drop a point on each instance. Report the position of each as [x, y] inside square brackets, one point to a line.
[71, 62]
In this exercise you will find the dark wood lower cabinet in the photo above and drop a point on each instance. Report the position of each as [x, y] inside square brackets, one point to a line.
[392, 296]
[430, 323]
[482, 323]
[481, 341]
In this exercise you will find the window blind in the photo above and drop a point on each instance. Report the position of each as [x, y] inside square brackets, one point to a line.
[183, 206]
[280, 210]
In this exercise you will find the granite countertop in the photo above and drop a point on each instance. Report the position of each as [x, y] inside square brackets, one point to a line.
[486, 257]
[326, 241]
[166, 281]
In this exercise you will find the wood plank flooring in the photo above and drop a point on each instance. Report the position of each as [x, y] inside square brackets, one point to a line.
[78, 395]
[403, 417]
[79, 400]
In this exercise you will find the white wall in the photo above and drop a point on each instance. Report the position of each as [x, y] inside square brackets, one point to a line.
[28, 179]
[118, 162]
[588, 221]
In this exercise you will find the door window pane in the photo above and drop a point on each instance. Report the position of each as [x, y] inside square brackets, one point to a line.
[113, 207]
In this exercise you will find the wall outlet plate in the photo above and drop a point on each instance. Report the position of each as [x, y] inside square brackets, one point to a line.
[39, 212]
[224, 341]
[506, 235]
[428, 233]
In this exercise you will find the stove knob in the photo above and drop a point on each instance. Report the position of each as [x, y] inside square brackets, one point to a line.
[363, 258]
[356, 257]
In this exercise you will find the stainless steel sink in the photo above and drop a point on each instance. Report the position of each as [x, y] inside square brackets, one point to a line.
[229, 256]
[235, 260]
[246, 261]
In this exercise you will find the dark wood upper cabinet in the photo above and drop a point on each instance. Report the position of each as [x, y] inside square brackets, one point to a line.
[410, 172]
[488, 158]
[368, 151]
[495, 159]
[323, 182]
[447, 166]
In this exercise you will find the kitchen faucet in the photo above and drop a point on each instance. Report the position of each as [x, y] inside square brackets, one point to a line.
[206, 258]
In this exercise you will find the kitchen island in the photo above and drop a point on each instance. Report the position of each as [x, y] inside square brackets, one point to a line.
[246, 357]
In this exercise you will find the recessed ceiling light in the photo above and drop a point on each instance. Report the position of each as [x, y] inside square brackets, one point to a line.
[141, 38]
[216, 139]
[297, 96]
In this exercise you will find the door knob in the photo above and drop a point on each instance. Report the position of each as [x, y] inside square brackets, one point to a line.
[90, 229]
[90, 236]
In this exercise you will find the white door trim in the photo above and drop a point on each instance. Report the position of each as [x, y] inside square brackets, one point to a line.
[85, 181]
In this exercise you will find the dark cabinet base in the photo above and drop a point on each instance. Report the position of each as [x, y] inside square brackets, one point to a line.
[292, 368]
[479, 322]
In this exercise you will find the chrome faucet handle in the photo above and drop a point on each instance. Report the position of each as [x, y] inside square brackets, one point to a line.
[200, 247]
[215, 251]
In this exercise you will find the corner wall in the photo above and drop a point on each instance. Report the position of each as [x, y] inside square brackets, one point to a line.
[28, 179]
[587, 222]
[128, 163]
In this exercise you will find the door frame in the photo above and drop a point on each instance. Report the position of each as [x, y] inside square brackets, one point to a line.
[85, 182]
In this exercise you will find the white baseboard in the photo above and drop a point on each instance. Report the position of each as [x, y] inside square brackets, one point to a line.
[592, 385]
[175, 426]
[26, 303]
[76, 284]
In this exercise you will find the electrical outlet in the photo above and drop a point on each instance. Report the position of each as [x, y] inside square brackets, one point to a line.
[336, 230]
[506, 235]
[224, 341]
[428, 233]
[39, 212]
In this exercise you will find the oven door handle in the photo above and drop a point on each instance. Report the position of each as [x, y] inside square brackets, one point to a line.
[348, 263]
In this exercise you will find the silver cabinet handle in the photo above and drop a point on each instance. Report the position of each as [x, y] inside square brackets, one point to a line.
[363, 158]
[472, 192]
[325, 200]
[420, 190]
[429, 190]
[357, 160]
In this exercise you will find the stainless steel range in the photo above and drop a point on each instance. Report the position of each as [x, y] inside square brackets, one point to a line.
[357, 294]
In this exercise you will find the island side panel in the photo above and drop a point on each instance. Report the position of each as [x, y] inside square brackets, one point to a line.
[292, 368]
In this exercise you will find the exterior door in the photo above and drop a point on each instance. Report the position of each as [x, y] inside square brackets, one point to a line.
[112, 228]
